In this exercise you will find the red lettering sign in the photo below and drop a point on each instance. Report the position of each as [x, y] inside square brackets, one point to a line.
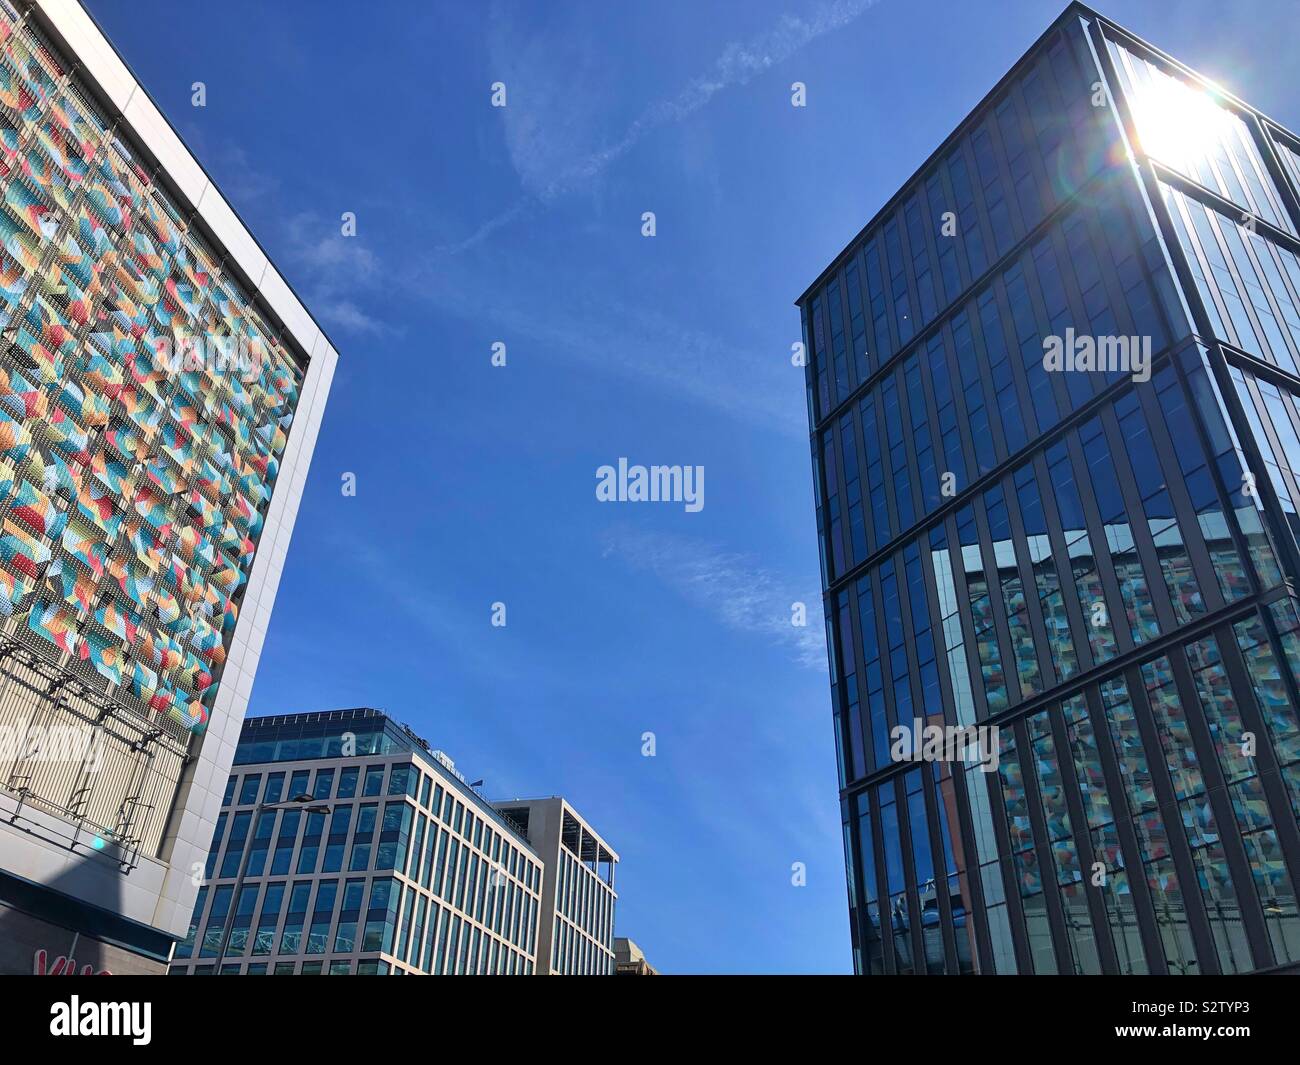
[63, 967]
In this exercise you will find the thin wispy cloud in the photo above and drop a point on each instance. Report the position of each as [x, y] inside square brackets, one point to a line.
[342, 277]
[347, 280]
[596, 330]
[733, 587]
[329, 269]
[347, 315]
[444, 626]
[738, 63]
[241, 180]
[321, 247]
[335, 270]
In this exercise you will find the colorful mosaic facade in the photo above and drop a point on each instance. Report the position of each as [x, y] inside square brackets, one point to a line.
[144, 407]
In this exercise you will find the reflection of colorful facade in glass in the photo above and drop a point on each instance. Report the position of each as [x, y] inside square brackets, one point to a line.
[1100, 566]
[132, 492]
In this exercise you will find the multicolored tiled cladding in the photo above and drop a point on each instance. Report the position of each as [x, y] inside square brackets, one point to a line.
[144, 406]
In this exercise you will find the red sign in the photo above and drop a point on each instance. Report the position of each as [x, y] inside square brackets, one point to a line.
[63, 967]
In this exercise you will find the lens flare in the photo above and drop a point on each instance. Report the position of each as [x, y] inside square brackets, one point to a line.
[1177, 124]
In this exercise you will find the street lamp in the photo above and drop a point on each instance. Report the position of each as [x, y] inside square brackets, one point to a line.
[299, 801]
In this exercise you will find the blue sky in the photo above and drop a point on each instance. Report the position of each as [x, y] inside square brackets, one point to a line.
[476, 484]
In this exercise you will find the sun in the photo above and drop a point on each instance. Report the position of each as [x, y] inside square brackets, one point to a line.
[1178, 124]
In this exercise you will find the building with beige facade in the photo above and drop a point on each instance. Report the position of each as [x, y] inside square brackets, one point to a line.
[578, 896]
[630, 960]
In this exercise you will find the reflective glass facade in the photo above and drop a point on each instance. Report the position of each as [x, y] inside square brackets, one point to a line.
[392, 866]
[1094, 560]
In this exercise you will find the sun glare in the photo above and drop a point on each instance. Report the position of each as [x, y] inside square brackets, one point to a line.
[1177, 124]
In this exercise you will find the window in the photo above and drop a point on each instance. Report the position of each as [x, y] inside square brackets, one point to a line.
[345, 936]
[185, 948]
[248, 790]
[397, 779]
[1153, 841]
[381, 915]
[1139, 609]
[309, 851]
[895, 881]
[348, 782]
[1024, 853]
[217, 833]
[318, 936]
[1175, 563]
[242, 919]
[934, 960]
[1051, 600]
[1218, 892]
[284, 844]
[340, 819]
[261, 842]
[264, 938]
[291, 937]
[1006, 555]
[953, 879]
[391, 853]
[274, 788]
[234, 854]
[1121, 911]
[324, 784]
[1068, 872]
[216, 928]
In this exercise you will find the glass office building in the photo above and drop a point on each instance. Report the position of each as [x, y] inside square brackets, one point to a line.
[1055, 406]
[161, 389]
[347, 846]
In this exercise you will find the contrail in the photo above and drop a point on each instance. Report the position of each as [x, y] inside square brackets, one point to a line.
[738, 63]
